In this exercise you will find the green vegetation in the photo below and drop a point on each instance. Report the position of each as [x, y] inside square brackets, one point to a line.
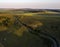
[14, 34]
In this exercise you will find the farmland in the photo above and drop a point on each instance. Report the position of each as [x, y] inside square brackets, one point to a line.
[15, 34]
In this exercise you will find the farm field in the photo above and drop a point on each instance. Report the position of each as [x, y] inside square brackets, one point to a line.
[14, 32]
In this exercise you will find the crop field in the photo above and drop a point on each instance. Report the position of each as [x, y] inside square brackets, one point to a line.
[15, 29]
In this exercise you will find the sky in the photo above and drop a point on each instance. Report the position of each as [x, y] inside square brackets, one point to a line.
[35, 4]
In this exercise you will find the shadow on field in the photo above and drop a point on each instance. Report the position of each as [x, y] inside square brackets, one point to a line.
[8, 39]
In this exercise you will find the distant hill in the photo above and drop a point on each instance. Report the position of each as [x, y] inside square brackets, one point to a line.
[29, 10]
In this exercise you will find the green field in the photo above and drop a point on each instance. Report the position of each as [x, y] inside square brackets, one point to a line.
[14, 34]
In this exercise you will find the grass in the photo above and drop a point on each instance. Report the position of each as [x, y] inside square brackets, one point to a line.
[17, 35]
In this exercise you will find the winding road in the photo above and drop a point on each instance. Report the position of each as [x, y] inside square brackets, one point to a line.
[41, 34]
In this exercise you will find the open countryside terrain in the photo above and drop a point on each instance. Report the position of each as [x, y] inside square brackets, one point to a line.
[14, 33]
